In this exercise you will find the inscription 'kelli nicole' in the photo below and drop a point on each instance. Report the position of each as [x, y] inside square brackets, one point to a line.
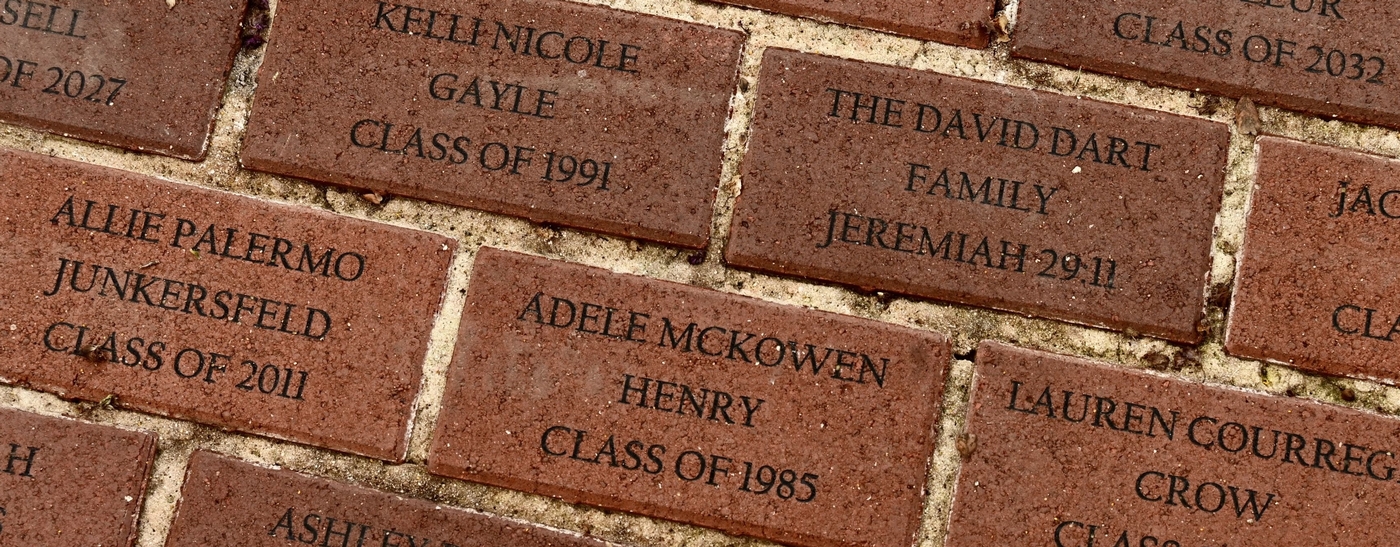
[1004, 132]
[526, 41]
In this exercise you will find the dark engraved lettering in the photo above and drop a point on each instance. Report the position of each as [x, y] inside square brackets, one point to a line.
[522, 40]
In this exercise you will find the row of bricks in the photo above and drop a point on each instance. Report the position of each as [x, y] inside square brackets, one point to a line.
[126, 75]
[1057, 450]
[1106, 252]
[978, 194]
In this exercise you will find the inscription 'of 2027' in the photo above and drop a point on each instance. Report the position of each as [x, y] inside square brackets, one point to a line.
[61, 81]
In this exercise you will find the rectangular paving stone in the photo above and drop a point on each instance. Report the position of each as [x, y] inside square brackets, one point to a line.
[924, 184]
[1315, 286]
[958, 22]
[228, 502]
[1327, 57]
[1074, 453]
[139, 75]
[576, 115]
[64, 482]
[688, 404]
[231, 311]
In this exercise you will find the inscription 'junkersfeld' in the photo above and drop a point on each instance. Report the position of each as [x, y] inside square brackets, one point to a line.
[552, 110]
[669, 400]
[980, 194]
[179, 300]
[1186, 464]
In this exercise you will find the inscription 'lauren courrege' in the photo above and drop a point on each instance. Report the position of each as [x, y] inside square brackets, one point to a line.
[1209, 433]
[733, 344]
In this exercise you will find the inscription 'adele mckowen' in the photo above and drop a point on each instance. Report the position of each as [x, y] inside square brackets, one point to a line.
[226, 310]
[980, 194]
[1329, 57]
[1124, 458]
[104, 71]
[1311, 289]
[555, 111]
[668, 400]
[230, 502]
[47, 464]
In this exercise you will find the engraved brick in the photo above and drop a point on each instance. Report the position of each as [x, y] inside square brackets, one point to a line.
[792, 425]
[1313, 288]
[139, 75]
[231, 311]
[959, 22]
[564, 113]
[64, 482]
[924, 184]
[228, 502]
[1074, 453]
[1326, 57]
